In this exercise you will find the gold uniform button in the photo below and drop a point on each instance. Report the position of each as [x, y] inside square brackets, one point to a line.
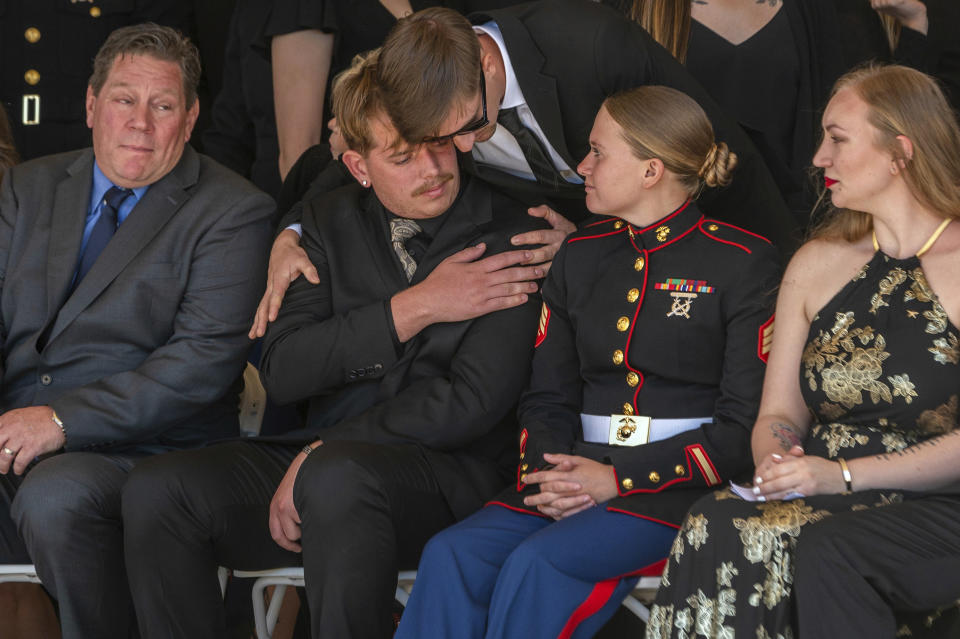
[638, 265]
[713, 227]
[627, 408]
[627, 484]
[618, 225]
[525, 466]
[654, 476]
[31, 35]
[680, 470]
[623, 324]
[632, 378]
[633, 295]
[618, 357]
[31, 77]
[94, 12]
[523, 476]
[521, 455]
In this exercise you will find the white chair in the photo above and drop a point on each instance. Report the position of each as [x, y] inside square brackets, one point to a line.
[25, 573]
[265, 614]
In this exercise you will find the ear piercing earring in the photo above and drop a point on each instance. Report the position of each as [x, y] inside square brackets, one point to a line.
[363, 182]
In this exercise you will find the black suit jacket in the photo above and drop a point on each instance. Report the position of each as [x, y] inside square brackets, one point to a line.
[569, 55]
[142, 355]
[451, 389]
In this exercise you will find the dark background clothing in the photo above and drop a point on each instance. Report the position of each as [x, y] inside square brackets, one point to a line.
[243, 131]
[48, 47]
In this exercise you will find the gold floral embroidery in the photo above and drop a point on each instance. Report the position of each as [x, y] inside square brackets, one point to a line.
[838, 436]
[760, 535]
[894, 440]
[888, 285]
[697, 534]
[903, 387]
[937, 317]
[941, 419]
[946, 350]
[847, 370]
[832, 411]
[725, 574]
[861, 274]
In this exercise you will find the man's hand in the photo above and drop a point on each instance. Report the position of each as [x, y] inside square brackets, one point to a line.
[551, 239]
[287, 262]
[463, 287]
[26, 433]
[284, 519]
[910, 13]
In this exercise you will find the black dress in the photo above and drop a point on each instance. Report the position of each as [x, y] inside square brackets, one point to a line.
[880, 372]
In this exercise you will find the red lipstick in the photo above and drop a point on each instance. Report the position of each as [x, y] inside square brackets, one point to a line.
[828, 181]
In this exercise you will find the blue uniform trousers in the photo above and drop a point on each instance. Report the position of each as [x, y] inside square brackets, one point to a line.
[502, 573]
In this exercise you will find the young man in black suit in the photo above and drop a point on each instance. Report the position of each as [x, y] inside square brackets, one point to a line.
[411, 423]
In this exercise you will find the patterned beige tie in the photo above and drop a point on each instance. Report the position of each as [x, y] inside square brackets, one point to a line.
[401, 230]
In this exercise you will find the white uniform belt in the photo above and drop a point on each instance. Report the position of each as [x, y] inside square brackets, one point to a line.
[596, 428]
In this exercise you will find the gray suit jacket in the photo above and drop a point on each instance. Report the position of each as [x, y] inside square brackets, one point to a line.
[146, 352]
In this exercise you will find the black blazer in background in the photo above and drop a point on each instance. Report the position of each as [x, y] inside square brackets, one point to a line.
[145, 354]
[569, 55]
[451, 389]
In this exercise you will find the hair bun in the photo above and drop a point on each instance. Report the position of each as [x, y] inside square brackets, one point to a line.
[718, 165]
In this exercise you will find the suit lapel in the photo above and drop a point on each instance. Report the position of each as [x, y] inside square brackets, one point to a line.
[372, 218]
[68, 217]
[539, 89]
[161, 201]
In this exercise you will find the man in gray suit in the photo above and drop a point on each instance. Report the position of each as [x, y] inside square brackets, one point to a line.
[128, 274]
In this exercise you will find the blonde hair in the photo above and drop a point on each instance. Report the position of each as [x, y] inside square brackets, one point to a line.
[905, 102]
[667, 21]
[660, 122]
[356, 99]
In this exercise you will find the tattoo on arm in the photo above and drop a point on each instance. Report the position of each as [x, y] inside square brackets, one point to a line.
[913, 450]
[786, 435]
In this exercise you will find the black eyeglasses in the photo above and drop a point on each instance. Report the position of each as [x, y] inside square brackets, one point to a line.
[470, 127]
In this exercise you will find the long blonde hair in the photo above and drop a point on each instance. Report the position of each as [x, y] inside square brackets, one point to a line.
[661, 122]
[904, 101]
[668, 21]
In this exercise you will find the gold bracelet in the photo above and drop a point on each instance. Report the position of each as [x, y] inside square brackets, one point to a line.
[847, 477]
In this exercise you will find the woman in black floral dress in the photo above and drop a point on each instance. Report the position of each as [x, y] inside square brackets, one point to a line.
[857, 452]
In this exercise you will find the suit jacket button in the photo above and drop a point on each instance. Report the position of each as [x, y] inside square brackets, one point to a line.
[633, 295]
[679, 470]
[627, 484]
[623, 324]
[654, 476]
[633, 379]
[618, 357]
[46, 380]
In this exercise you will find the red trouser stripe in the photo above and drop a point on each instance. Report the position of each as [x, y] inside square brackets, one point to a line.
[599, 596]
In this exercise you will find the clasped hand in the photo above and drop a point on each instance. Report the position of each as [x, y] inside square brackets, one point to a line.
[795, 472]
[573, 484]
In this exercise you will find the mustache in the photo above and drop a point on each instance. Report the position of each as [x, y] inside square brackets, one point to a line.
[432, 184]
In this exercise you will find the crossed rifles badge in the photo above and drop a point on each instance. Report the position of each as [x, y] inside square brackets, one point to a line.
[683, 292]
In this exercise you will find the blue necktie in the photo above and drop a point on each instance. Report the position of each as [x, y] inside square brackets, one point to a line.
[103, 229]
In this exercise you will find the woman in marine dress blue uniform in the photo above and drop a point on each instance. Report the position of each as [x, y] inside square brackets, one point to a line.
[649, 358]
